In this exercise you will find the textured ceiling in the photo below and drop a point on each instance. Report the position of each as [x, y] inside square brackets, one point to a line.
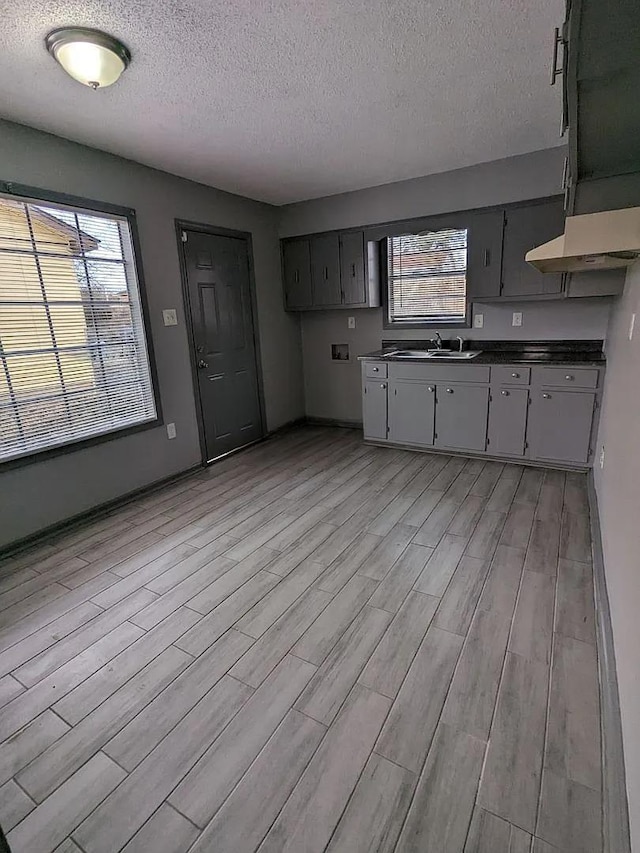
[283, 100]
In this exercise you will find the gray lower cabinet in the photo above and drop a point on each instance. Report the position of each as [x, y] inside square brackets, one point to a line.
[508, 421]
[560, 425]
[461, 417]
[412, 409]
[374, 409]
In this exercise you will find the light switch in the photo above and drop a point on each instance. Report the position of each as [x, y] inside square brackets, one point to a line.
[170, 317]
[478, 321]
[517, 318]
[171, 430]
[351, 322]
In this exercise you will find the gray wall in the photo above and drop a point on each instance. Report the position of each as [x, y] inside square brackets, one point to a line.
[43, 493]
[618, 488]
[332, 389]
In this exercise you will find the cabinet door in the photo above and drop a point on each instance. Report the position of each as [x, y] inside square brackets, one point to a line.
[461, 417]
[352, 268]
[374, 409]
[484, 255]
[526, 227]
[412, 412]
[325, 270]
[508, 421]
[297, 274]
[559, 426]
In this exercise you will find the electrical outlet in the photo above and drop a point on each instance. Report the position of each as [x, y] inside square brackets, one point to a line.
[602, 456]
[517, 318]
[171, 430]
[170, 317]
[351, 322]
[478, 321]
[631, 325]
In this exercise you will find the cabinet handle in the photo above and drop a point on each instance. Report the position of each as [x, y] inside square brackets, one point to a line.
[431, 388]
[353, 270]
[375, 369]
[569, 377]
[449, 390]
[565, 172]
[515, 376]
[546, 396]
[326, 273]
[555, 71]
[487, 257]
[505, 393]
[296, 277]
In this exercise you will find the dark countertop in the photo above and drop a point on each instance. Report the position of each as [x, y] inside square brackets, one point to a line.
[588, 353]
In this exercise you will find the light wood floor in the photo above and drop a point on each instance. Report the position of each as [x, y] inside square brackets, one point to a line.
[314, 645]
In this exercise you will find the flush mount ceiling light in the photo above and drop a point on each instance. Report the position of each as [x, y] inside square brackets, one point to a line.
[89, 56]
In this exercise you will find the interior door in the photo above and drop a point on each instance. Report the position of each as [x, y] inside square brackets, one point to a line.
[223, 330]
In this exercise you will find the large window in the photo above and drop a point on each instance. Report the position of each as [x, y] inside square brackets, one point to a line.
[427, 278]
[73, 356]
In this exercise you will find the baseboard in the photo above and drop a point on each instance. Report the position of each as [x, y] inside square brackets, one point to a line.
[311, 420]
[93, 513]
[615, 810]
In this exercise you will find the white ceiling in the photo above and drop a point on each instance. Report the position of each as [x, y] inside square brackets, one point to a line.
[283, 100]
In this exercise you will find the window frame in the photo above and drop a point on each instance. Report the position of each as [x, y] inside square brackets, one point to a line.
[411, 226]
[35, 194]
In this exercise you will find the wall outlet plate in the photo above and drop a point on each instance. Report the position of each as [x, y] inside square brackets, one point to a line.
[478, 321]
[517, 318]
[170, 317]
[171, 430]
[351, 323]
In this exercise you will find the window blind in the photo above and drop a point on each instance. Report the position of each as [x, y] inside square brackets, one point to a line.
[427, 276]
[73, 356]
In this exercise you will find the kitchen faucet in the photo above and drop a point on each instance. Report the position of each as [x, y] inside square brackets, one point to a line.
[437, 341]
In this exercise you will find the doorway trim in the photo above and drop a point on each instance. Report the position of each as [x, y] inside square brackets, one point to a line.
[217, 231]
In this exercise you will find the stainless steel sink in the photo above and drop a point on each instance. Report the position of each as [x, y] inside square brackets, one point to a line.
[435, 353]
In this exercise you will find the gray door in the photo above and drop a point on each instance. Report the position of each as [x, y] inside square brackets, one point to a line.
[352, 268]
[374, 409]
[412, 412]
[560, 425]
[325, 269]
[461, 417]
[484, 255]
[297, 274]
[526, 227]
[225, 354]
[508, 421]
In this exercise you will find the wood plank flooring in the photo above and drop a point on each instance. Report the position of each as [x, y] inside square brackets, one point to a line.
[314, 645]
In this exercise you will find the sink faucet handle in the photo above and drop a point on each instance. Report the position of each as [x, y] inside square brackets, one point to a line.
[461, 341]
[437, 341]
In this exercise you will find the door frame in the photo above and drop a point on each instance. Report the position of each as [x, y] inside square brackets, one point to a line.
[217, 231]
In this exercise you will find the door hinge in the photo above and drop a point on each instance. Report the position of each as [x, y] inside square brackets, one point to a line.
[395, 392]
[184, 236]
[435, 435]
[526, 445]
[490, 398]
[596, 405]
[488, 442]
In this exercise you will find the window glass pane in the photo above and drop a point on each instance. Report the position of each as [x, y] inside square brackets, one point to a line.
[73, 355]
[427, 276]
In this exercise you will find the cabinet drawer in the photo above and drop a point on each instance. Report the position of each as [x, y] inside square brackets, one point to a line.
[375, 369]
[566, 377]
[515, 375]
[430, 372]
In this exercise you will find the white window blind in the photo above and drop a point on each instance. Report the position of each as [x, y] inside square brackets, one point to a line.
[73, 356]
[427, 277]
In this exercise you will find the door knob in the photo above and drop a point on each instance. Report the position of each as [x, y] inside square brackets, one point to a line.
[202, 364]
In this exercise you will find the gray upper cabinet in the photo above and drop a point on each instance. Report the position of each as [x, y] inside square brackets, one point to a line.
[352, 268]
[484, 255]
[325, 270]
[374, 409]
[560, 425]
[412, 407]
[526, 227]
[461, 417]
[508, 420]
[296, 258]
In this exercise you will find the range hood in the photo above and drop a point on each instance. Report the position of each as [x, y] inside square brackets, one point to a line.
[591, 241]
